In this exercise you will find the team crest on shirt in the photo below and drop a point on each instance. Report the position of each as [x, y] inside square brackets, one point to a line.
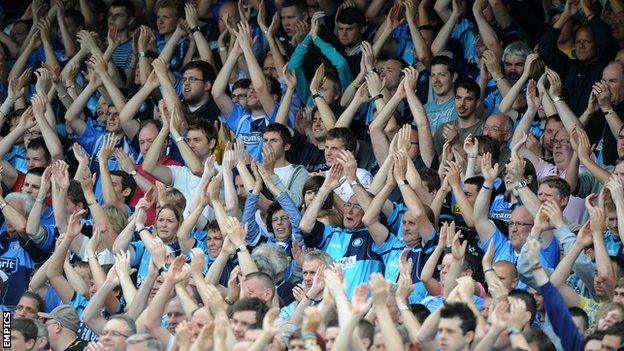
[357, 242]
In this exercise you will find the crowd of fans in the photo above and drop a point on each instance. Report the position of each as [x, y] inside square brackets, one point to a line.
[312, 174]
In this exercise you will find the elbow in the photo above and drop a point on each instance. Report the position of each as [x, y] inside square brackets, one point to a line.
[197, 171]
[367, 220]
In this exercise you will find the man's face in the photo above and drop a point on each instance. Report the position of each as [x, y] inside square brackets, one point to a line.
[612, 75]
[36, 158]
[27, 308]
[18, 343]
[290, 15]
[547, 193]
[296, 345]
[147, 135]
[465, 103]
[618, 295]
[471, 191]
[444, 266]
[32, 183]
[450, 335]
[441, 80]
[269, 67]
[256, 289]
[282, 227]
[166, 20]
[349, 34]
[562, 150]
[233, 15]
[195, 88]
[241, 321]
[175, 315]
[329, 90]
[611, 342]
[505, 274]
[514, 67]
[19, 32]
[332, 150]
[197, 141]
[241, 192]
[117, 183]
[353, 214]
[239, 95]
[551, 128]
[411, 236]
[274, 141]
[593, 345]
[113, 123]
[118, 18]
[309, 269]
[252, 99]
[114, 334]
[391, 72]
[414, 148]
[519, 227]
[214, 240]
[495, 128]
[319, 132]
[620, 143]
[619, 170]
[609, 319]
[331, 334]
[584, 45]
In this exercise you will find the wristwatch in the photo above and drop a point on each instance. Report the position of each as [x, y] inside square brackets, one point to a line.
[133, 172]
[520, 184]
[355, 182]
[3, 205]
[403, 182]
[195, 29]
[558, 98]
[513, 330]
[165, 267]
[318, 94]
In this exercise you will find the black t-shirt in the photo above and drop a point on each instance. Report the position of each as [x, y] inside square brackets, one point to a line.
[302, 152]
[77, 345]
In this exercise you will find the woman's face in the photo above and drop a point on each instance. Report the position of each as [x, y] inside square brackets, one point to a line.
[308, 197]
[609, 319]
[166, 224]
[214, 241]
[281, 225]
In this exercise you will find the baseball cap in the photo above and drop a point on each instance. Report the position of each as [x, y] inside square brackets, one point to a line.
[65, 315]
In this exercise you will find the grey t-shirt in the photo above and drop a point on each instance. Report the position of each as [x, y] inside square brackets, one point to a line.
[438, 139]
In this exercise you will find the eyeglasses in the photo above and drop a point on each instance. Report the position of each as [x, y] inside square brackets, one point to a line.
[112, 333]
[493, 129]
[349, 205]
[562, 142]
[191, 80]
[511, 224]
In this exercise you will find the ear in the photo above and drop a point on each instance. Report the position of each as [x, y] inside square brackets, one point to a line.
[469, 336]
[212, 143]
[125, 192]
[514, 283]
[454, 77]
[30, 344]
[207, 86]
[286, 147]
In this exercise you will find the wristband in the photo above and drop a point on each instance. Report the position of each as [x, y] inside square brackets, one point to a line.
[513, 330]
[355, 85]
[228, 301]
[222, 49]
[537, 266]
[241, 248]
[403, 308]
[608, 111]
[499, 79]
[3, 205]
[308, 335]
[403, 182]
[195, 29]
[179, 139]
[89, 204]
[377, 97]
[38, 200]
[558, 98]
[354, 183]
[317, 95]
[486, 187]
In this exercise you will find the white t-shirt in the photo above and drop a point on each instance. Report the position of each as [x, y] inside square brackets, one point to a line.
[104, 257]
[284, 173]
[345, 192]
[188, 184]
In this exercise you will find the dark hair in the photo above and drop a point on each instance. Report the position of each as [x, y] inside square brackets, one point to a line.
[36, 171]
[351, 15]
[347, 136]
[127, 181]
[445, 61]
[127, 4]
[282, 130]
[26, 326]
[560, 184]
[32, 295]
[273, 207]
[208, 72]
[38, 144]
[462, 312]
[420, 311]
[274, 86]
[176, 211]
[529, 301]
[209, 130]
[597, 335]
[539, 339]
[132, 328]
[301, 5]
[214, 226]
[471, 86]
[489, 144]
[477, 181]
[242, 84]
[75, 193]
[314, 183]
[617, 329]
[155, 122]
[253, 304]
[76, 16]
[174, 4]
[579, 312]
[430, 178]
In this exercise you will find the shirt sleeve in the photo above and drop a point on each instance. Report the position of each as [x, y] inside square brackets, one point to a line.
[88, 139]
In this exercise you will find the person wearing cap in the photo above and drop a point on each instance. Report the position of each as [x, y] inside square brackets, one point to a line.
[62, 325]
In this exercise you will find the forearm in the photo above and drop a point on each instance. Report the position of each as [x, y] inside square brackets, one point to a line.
[124, 238]
[216, 269]
[346, 117]
[327, 115]
[510, 96]
[231, 198]
[431, 263]
[603, 260]
[185, 238]
[284, 109]
[33, 224]
[379, 180]
[425, 137]
[392, 338]
[530, 200]
[140, 299]
[568, 118]
[523, 126]
[170, 46]
[598, 172]
[564, 268]
[151, 317]
[92, 313]
[108, 190]
[440, 41]
[118, 99]
[572, 172]
[50, 136]
[464, 205]
[309, 217]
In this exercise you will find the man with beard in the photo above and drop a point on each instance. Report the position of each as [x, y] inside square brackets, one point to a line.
[197, 79]
[350, 23]
[467, 103]
[441, 109]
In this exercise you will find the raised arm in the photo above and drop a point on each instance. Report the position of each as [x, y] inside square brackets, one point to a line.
[223, 101]
[111, 197]
[425, 138]
[421, 50]
[485, 228]
[487, 33]
[377, 230]
[440, 41]
[203, 47]
[332, 181]
[150, 162]
[129, 124]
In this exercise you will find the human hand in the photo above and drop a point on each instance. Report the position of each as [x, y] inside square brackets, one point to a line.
[534, 248]
[122, 264]
[27, 120]
[458, 249]
[236, 231]
[317, 79]
[555, 83]
[367, 63]
[375, 84]
[471, 146]
[334, 178]
[74, 224]
[315, 23]
[492, 62]
[361, 304]
[553, 213]
[289, 77]
[517, 311]
[404, 289]
[603, 95]
[113, 39]
[533, 100]
[39, 104]
[311, 319]
[108, 147]
[191, 15]
[489, 172]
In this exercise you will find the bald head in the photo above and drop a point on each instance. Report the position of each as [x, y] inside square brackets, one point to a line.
[507, 273]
